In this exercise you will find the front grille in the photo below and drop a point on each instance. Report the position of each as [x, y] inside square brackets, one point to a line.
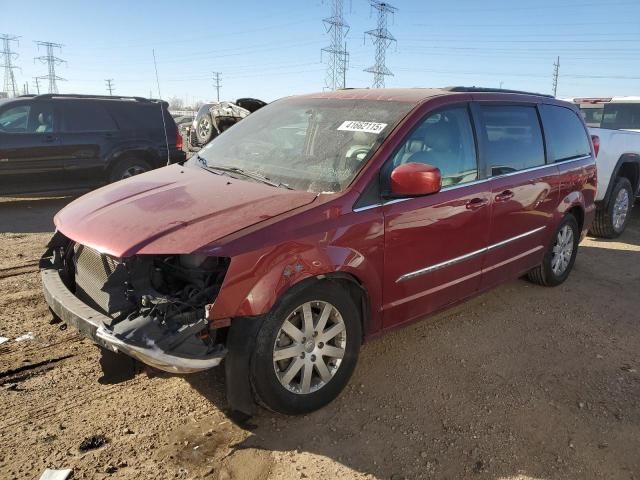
[100, 280]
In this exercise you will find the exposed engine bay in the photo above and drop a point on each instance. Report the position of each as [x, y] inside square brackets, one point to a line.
[149, 301]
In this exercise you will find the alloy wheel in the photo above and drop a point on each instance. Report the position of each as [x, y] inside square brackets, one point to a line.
[620, 209]
[204, 128]
[562, 250]
[309, 347]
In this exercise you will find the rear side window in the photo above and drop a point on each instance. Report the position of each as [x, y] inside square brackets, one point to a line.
[87, 117]
[566, 137]
[621, 116]
[513, 138]
[137, 116]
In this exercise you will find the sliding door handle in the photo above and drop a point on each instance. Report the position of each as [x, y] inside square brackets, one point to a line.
[504, 196]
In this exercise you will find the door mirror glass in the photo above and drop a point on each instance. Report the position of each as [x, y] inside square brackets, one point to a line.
[415, 179]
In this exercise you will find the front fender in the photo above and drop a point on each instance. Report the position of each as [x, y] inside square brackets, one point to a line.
[255, 284]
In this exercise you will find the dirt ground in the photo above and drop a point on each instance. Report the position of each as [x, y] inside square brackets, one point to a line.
[521, 383]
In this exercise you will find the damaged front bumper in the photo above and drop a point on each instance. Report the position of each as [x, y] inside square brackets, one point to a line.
[93, 324]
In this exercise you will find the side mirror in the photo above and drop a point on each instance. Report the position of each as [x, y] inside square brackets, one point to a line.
[415, 179]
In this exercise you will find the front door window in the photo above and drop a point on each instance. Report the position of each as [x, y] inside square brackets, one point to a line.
[444, 140]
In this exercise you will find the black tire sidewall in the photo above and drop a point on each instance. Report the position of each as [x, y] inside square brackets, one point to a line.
[621, 183]
[551, 277]
[265, 383]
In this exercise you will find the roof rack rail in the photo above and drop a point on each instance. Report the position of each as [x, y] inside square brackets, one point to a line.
[45, 96]
[493, 90]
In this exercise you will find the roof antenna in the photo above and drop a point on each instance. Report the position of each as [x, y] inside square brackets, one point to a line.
[164, 123]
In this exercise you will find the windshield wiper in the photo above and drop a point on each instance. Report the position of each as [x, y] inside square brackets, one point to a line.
[252, 175]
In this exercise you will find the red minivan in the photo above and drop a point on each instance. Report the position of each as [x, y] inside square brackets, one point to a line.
[317, 223]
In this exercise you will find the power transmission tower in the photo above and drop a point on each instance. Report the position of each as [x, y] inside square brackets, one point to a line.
[382, 39]
[338, 56]
[110, 87]
[8, 57]
[51, 60]
[216, 84]
[556, 74]
[36, 79]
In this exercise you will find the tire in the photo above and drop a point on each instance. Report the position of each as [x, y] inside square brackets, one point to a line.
[193, 138]
[608, 222]
[128, 167]
[204, 130]
[286, 396]
[545, 274]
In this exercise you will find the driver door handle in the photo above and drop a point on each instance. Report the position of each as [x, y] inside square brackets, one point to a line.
[49, 138]
[476, 203]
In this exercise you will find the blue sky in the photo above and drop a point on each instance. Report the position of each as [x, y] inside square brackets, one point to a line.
[272, 49]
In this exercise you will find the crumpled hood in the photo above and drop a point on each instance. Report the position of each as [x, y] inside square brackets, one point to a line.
[172, 210]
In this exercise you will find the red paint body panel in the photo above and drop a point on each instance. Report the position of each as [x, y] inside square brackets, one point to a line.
[171, 210]
[531, 207]
[277, 238]
[427, 231]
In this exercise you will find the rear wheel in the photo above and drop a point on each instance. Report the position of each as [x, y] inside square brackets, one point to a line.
[128, 167]
[204, 130]
[611, 219]
[306, 350]
[560, 257]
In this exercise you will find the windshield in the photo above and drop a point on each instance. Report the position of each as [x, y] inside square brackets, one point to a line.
[315, 145]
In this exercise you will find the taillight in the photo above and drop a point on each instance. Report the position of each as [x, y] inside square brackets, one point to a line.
[179, 141]
[596, 143]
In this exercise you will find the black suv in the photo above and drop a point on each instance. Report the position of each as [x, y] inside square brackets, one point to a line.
[54, 143]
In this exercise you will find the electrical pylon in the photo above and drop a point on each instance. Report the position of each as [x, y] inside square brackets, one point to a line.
[51, 60]
[7, 62]
[338, 60]
[382, 39]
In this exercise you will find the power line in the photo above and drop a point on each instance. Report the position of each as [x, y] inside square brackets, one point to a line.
[8, 58]
[216, 84]
[110, 87]
[382, 39]
[338, 55]
[51, 60]
[556, 72]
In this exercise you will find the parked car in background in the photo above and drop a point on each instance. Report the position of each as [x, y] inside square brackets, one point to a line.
[65, 142]
[615, 124]
[321, 221]
[215, 117]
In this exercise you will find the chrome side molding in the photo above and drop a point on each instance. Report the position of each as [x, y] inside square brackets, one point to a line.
[466, 256]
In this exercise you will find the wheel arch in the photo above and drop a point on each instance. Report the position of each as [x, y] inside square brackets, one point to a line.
[142, 153]
[352, 283]
[628, 166]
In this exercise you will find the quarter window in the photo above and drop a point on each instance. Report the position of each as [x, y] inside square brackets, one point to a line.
[513, 138]
[444, 140]
[565, 134]
[86, 117]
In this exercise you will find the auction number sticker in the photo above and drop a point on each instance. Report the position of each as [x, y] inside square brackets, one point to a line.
[368, 127]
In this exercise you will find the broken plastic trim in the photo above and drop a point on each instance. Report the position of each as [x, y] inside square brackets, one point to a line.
[157, 358]
[95, 324]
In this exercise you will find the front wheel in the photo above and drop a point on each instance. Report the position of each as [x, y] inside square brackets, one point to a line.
[306, 350]
[560, 257]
